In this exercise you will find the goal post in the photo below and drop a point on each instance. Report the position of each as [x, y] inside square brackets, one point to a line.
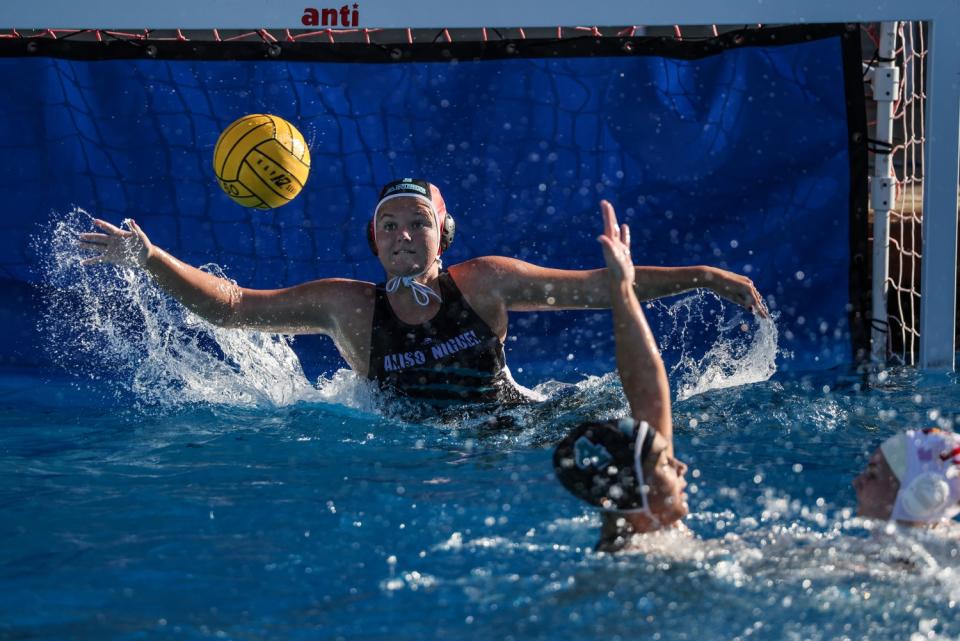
[885, 83]
[938, 307]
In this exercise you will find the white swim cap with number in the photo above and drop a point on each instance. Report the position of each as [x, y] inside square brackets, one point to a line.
[927, 464]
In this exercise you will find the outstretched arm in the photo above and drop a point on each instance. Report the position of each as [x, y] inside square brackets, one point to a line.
[638, 358]
[301, 309]
[523, 286]
[656, 282]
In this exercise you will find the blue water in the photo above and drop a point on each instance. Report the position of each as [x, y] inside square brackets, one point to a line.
[175, 480]
[130, 519]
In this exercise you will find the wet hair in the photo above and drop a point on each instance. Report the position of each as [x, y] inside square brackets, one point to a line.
[602, 463]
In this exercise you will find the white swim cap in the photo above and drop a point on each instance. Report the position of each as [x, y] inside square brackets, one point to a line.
[927, 464]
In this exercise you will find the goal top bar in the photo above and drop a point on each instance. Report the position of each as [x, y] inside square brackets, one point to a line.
[391, 14]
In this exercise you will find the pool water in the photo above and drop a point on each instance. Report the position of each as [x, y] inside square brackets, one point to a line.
[175, 480]
[311, 519]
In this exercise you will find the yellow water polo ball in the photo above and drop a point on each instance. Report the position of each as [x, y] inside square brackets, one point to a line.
[261, 161]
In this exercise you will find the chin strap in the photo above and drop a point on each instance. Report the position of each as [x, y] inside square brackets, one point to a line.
[421, 292]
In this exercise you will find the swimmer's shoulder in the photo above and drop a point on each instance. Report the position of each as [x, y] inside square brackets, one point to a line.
[348, 300]
[344, 305]
[310, 307]
[360, 289]
[486, 267]
[520, 285]
[332, 293]
[477, 280]
[350, 306]
[468, 271]
[486, 276]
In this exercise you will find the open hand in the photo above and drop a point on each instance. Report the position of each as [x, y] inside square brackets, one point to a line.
[125, 247]
[616, 246]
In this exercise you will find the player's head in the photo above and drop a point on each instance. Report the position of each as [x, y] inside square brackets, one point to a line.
[410, 226]
[624, 468]
[912, 477]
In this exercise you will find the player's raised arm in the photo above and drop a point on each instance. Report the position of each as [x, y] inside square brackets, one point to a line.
[627, 468]
[638, 358]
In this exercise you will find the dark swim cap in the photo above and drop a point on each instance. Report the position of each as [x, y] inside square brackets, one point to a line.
[602, 463]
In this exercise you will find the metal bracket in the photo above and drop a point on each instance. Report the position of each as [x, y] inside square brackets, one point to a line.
[886, 82]
[883, 193]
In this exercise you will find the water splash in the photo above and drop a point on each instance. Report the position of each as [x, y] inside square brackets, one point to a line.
[743, 351]
[113, 319]
[108, 319]
[345, 387]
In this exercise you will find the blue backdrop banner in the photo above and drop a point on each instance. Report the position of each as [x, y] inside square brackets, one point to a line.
[741, 157]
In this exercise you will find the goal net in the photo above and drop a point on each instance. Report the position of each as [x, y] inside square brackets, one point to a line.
[741, 148]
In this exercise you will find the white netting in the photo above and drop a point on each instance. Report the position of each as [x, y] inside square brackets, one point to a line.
[903, 305]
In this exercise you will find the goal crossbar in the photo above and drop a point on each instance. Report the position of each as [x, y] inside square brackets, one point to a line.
[389, 14]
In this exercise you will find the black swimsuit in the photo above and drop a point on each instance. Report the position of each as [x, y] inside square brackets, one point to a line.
[453, 358]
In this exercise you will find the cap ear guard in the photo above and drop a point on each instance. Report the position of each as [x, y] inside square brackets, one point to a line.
[446, 234]
[926, 498]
